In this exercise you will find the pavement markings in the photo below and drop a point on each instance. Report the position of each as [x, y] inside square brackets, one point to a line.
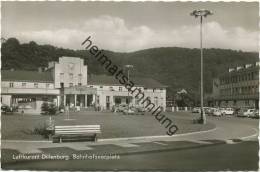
[254, 136]
[126, 145]
[78, 146]
[230, 142]
[159, 143]
[198, 141]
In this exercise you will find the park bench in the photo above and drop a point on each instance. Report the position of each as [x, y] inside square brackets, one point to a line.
[76, 133]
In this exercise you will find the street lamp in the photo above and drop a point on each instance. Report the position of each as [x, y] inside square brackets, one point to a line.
[128, 80]
[201, 13]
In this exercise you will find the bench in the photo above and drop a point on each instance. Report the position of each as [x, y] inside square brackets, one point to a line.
[76, 133]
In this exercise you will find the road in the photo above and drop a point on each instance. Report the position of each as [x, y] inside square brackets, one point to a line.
[232, 145]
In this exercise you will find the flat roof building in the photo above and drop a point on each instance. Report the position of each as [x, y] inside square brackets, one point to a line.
[238, 87]
[67, 83]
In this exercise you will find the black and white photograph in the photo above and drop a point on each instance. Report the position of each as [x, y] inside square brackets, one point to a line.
[129, 86]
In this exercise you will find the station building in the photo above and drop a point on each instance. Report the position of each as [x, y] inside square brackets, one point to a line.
[238, 87]
[67, 83]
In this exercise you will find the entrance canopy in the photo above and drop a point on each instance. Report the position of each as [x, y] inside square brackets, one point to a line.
[80, 90]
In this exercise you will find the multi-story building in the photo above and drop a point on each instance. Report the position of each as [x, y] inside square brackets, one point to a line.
[67, 83]
[238, 87]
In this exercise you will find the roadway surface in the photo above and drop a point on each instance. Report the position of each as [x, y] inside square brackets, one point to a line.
[232, 145]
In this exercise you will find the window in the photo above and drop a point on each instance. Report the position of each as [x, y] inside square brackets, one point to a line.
[156, 101]
[79, 84]
[91, 86]
[107, 99]
[154, 90]
[120, 88]
[71, 66]
[97, 99]
[11, 84]
[61, 76]
[101, 87]
[80, 77]
[247, 102]
[70, 84]
[111, 88]
[35, 85]
[23, 84]
[71, 76]
[47, 85]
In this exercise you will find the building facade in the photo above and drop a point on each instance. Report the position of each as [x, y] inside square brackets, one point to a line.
[67, 83]
[239, 87]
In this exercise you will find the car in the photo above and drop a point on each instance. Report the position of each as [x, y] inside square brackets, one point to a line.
[210, 111]
[120, 108]
[6, 109]
[216, 112]
[129, 111]
[227, 111]
[255, 114]
[207, 110]
[243, 113]
[196, 110]
[250, 113]
[140, 110]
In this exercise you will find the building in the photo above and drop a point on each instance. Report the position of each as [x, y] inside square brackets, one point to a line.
[238, 87]
[67, 83]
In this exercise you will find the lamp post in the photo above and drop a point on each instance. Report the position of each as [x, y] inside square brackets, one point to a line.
[201, 13]
[128, 79]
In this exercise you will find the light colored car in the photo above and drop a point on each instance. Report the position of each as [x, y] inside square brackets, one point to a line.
[211, 110]
[242, 113]
[227, 111]
[216, 112]
[196, 110]
[256, 114]
[129, 111]
[249, 112]
[120, 108]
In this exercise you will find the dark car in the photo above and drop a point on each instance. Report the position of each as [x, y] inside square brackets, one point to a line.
[5, 109]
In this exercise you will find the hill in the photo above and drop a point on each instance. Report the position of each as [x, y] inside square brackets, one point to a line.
[176, 67]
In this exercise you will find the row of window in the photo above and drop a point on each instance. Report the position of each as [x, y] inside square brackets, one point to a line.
[238, 78]
[23, 84]
[121, 88]
[71, 76]
[239, 90]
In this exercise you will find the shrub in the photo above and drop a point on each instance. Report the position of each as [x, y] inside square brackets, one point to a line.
[42, 130]
[48, 108]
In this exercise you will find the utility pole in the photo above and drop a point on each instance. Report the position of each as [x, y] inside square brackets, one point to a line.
[201, 13]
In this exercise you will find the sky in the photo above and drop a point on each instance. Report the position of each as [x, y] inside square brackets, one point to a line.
[132, 26]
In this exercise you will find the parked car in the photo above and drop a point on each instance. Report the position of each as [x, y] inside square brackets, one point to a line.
[227, 111]
[243, 113]
[211, 110]
[206, 110]
[216, 112]
[130, 111]
[120, 108]
[255, 114]
[6, 109]
[249, 112]
[196, 110]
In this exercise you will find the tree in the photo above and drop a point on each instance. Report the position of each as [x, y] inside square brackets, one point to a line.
[45, 108]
